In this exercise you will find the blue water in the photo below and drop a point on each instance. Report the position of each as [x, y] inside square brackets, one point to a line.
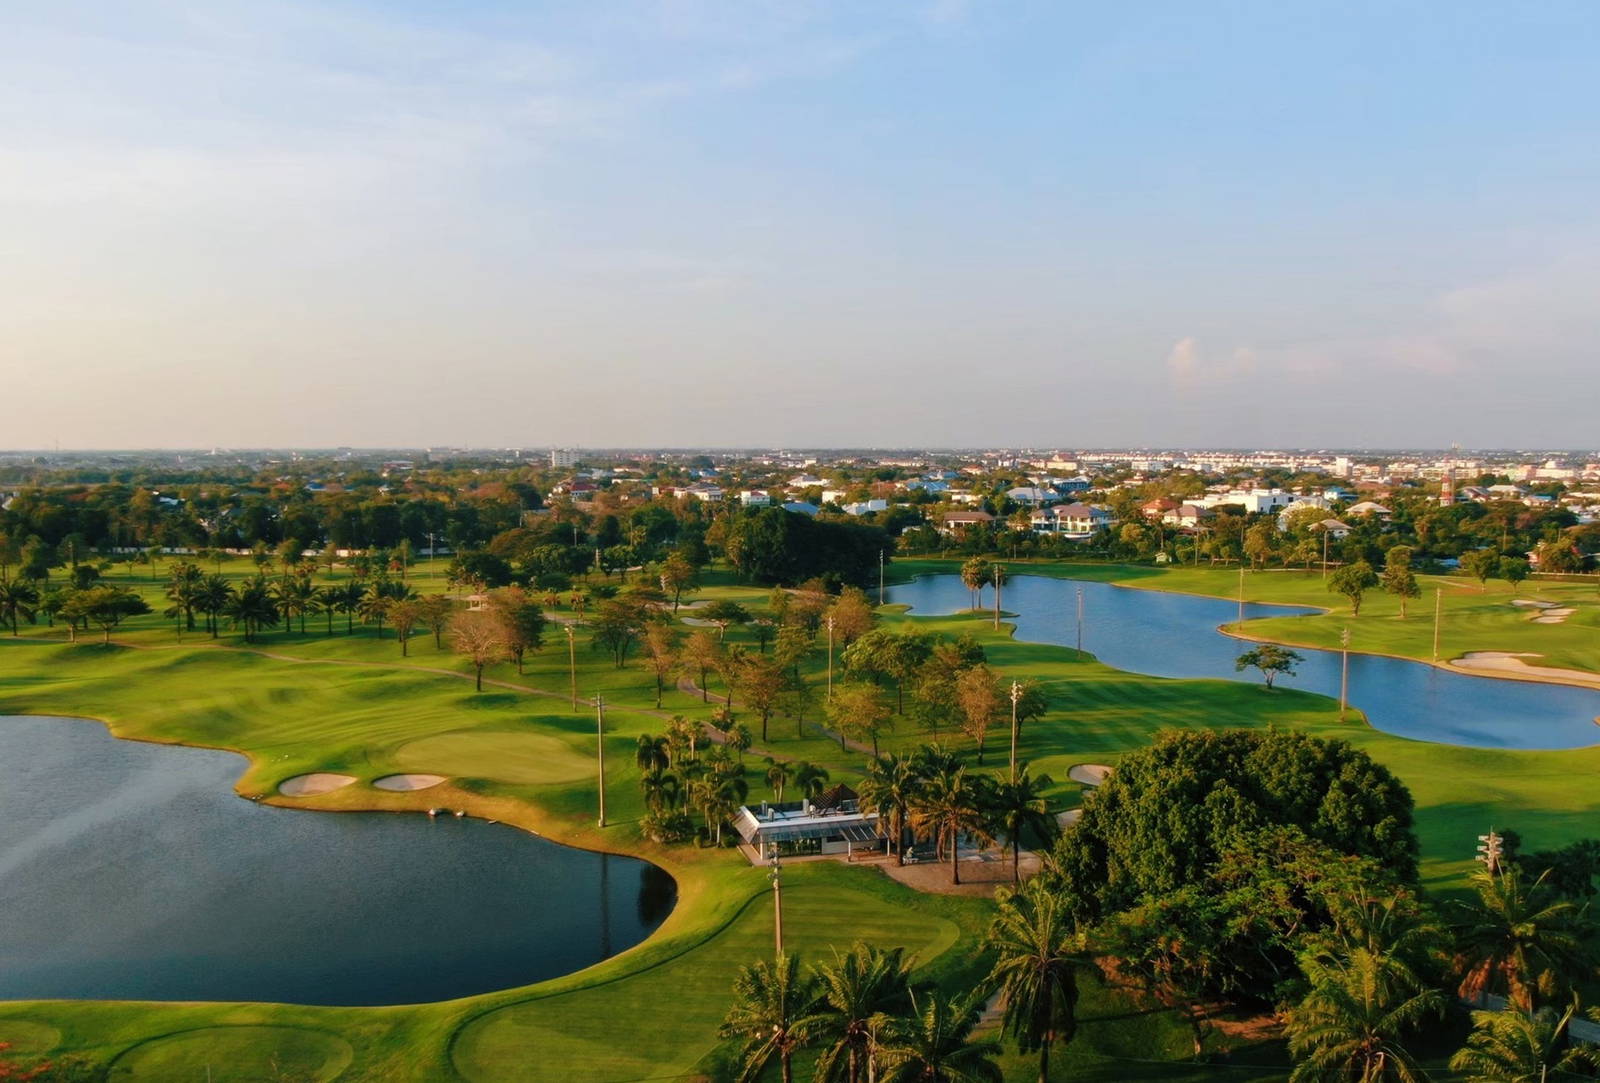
[132, 871]
[1175, 635]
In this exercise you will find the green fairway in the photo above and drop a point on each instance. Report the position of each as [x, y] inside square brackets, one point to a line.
[497, 754]
[297, 703]
[237, 1055]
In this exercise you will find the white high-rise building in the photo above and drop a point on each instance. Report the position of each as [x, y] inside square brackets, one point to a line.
[563, 458]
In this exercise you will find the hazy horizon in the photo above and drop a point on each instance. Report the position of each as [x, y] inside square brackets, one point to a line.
[944, 223]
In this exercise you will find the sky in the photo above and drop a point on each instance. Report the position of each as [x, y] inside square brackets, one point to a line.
[799, 223]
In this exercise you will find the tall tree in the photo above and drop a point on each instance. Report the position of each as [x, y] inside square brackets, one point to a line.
[1522, 939]
[889, 789]
[1017, 807]
[949, 805]
[1353, 1022]
[771, 1003]
[1353, 581]
[481, 638]
[1520, 1047]
[859, 710]
[661, 654]
[978, 696]
[1398, 579]
[1038, 955]
[857, 993]
[934, 1044]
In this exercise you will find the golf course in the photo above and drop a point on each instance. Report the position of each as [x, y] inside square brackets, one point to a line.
[522, 752]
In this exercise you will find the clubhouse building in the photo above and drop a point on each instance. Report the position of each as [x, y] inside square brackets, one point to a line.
[830, 823]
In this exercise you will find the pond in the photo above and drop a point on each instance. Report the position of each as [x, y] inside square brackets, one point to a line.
[1175, 635]
[133, 871]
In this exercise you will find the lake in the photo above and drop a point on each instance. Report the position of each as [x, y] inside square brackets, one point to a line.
[132, 871]
[1175, 635]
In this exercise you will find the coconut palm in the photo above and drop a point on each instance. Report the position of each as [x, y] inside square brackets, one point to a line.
[1017, 806]
[184, 581]
[810, 778]
[1351, 1025]
[296, 596]
[935, 1045]
[779, 772]
[948, 806]
[1039, 954]
[661, 788]
[1521, 939]
[891, 785]
[770, 1002]
[653, 753]
[18, 600]
[212, 599]
[729, 792]
[326, 602]
[975, 576]
[1516, 1047]
[252, 607]
[858, 994]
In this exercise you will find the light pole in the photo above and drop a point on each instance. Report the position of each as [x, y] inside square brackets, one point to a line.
[1241, 591]
[998, 572]
[572, 664]
[830, 658]
[880, 576]
[1016, 698]
[1344, 671]
[1080, 619]
[777, 900]
[600, 750]
[1439, 610]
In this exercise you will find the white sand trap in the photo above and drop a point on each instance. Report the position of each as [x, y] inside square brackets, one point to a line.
[313, 784]
[1512, 662]
[1553, 616]
[1089, 774]
[1530, 603]
[696, 622]
[1069, 817]
[406, 783]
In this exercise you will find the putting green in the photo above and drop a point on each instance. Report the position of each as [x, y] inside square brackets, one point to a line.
[25, 1038]
[237, 1055]
[496, 754]
[619, 1032]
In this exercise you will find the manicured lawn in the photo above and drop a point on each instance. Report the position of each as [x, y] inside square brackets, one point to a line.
[351, 703]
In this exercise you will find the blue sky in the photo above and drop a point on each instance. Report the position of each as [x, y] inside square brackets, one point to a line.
[687, 223]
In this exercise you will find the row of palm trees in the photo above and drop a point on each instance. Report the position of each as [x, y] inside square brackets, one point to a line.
[863, 1015]
[254, 604]
[1372, 981]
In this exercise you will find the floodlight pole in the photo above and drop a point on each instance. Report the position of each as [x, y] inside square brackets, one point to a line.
[880, 576]
[1344, 671]
[777, 900]
[572, 664]
[830, 658]
[600, 750]
[1241, 591]
[1439, 610]
[1016, 698]
[997, 571]
[1080, 619]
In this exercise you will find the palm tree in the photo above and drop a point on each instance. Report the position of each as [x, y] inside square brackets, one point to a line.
[1017, 806]
[891, 785]
[858, 993]
[729, 792]
[779, 772]
[660, 788]
[183, 587]
[949, 806]
[1521, 939]
[975, 576]
[652, 753]
[374, 606]
[296, 596]
[212, 599]
[1516, 1047]
[935, 1045]
[252, 607]
[1036, 973]
[326, 602]
[17, 602]
[770, 1001]
[350, 595]
[810, 778]
[1350, 1025]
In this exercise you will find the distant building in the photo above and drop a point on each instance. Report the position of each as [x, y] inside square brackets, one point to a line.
[755, 498]
[954, 522]
[1076, 521]
[861, 507]
[564, 458]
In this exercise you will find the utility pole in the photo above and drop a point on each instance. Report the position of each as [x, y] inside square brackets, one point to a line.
[998, 571]
[1016, 698]
[1241, 590]
[1439, 610]
[880, 576]
[572, 664]
[1344, 671]
[777, 900]
[1080, 619]
[600, 750]
[1490, 851]
[830, 657]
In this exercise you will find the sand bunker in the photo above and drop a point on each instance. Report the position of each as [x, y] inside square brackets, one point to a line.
[313, 784]
[1512, 662]
[1529, 603]
[1069, 817]
[407, 783]
[1553, 616]
[1089, 774]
